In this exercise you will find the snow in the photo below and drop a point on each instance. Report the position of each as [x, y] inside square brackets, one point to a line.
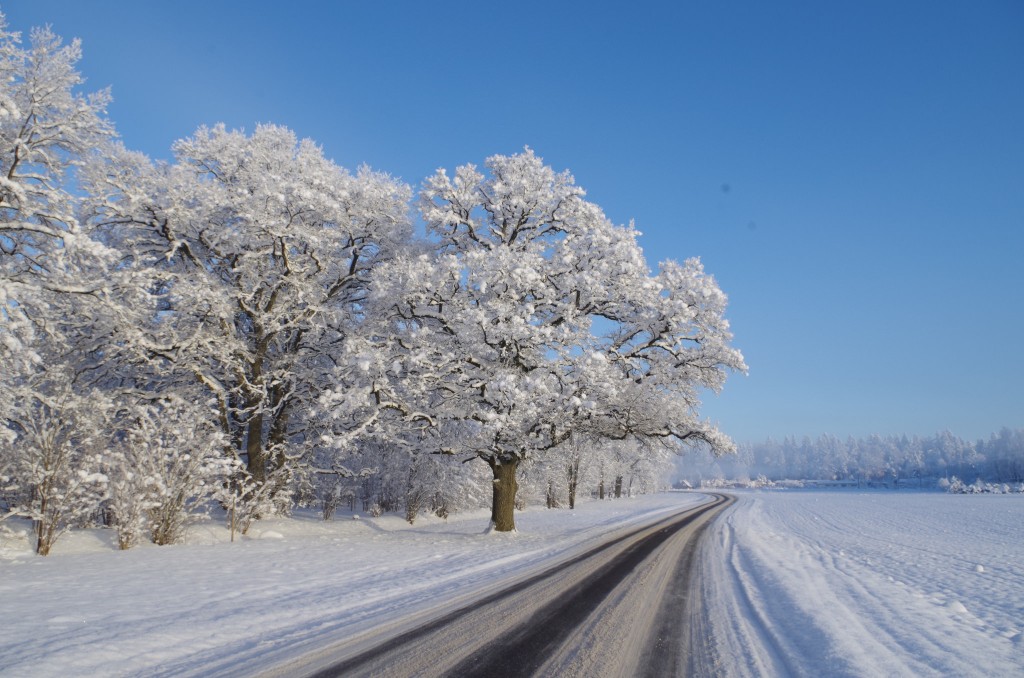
[800, 583]
[211, 607]
[877, 583]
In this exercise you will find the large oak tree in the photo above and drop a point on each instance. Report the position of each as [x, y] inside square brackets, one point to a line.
[531, 316]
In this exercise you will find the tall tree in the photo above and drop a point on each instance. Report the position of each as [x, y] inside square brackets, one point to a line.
[256, 251]
[55, 319]
[46, 129]
[534, 317]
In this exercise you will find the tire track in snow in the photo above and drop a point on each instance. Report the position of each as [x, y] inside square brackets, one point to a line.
[850, 584]
[596, 610]
[749, 638]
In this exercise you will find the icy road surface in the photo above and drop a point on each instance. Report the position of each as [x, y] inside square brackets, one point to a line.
[809, 583]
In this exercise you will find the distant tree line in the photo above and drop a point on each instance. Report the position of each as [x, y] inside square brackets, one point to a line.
[896, 460]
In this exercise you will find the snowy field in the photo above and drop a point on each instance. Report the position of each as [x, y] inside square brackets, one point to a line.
[818, 583]
[800, 583]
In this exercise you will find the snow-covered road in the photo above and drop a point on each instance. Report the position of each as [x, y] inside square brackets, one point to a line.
[812, 583]
[211, 608]
[798, 583]
[605, 612]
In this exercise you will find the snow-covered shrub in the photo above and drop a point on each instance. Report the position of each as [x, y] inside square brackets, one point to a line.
[440, 507]
[52, 452]
[953, 485]
[190, 480]
[248, 500]
[331, 498]
[956, 486]
[130, 498]
[171, 463]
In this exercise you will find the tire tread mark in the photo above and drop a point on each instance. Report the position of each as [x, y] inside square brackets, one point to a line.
[483, 661]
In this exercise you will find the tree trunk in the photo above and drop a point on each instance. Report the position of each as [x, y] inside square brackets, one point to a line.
[573, 475]
[254, 452]
[618, 487]
[277, 439]
[413, 496]
[279, 425]
[39, 525]
[503, 499]
[552, 496]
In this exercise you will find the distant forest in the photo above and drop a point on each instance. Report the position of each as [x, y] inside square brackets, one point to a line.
[895, 461]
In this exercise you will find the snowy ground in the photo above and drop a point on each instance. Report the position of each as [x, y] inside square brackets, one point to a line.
[801, 583]
[839, 583]
[212, 607]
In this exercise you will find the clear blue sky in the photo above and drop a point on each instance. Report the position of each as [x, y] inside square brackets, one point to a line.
[851, 172]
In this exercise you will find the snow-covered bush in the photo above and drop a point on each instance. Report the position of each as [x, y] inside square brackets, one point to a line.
[171, 463]
[130, 497]
[53, 452]
[956, 486]
[335, 494]
[247, 499]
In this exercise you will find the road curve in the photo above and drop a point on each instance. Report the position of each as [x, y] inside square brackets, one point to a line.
[619, 609]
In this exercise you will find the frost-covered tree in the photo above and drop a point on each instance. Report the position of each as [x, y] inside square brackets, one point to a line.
[1004, 453]
[169, 464]
[640, 466]
[256, 252]
[46, 128]
[892, 460]
[574, 467]
[608, 468]
[52, 444]
[441, 488]
[563, 470]
[534, 317]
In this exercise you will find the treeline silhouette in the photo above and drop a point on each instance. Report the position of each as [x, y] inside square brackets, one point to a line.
[895, 460]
